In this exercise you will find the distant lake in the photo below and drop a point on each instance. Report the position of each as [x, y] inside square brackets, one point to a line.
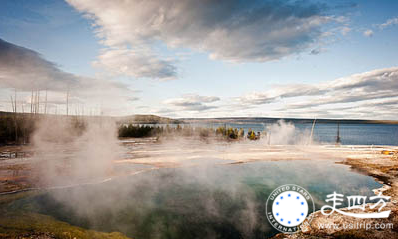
[350, 134]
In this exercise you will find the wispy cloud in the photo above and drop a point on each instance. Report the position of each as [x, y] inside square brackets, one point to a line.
[140, 64]
[278, 92]
[377, 88]
[25, 70]
[231, 30]
[376, 84]
[388, 23]
[368, 33]
[192, 102]
[379, 27]
[367, 95]
[345, 30]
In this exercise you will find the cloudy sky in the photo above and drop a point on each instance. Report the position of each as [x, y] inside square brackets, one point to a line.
[213, 58]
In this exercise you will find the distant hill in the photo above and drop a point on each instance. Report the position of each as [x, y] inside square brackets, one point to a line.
[5, 113]
[135, 119]
[292, 120]
[147, 119]
[154, 119]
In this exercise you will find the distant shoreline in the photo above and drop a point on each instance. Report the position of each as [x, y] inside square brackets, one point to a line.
[292, 120]
[154, 119]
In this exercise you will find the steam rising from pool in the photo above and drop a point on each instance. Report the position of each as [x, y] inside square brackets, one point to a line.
[179, 187]
[282, 133]
[68, 154]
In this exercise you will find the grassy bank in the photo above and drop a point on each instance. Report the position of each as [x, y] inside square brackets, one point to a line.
[18, 222]
[33, 225]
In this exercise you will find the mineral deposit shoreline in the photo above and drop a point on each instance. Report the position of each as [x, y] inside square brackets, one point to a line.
[383, 166]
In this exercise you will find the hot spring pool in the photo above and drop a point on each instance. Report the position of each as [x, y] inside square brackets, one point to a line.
[208, 201]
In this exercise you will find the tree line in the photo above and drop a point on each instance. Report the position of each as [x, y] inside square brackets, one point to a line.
[144, 130]
[18, 129]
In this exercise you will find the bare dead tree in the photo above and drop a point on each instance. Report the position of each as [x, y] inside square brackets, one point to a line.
[67, 102]
[12, 103]
[45, 104]
[14, 110]
[24, 122]
[15, 99]
[34, 102]
[38, 102]
[31, 103]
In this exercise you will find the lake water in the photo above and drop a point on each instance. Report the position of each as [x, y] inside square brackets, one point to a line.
[350, 134]
[217, 201]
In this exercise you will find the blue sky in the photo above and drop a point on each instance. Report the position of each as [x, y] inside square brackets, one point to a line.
[190, 61]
